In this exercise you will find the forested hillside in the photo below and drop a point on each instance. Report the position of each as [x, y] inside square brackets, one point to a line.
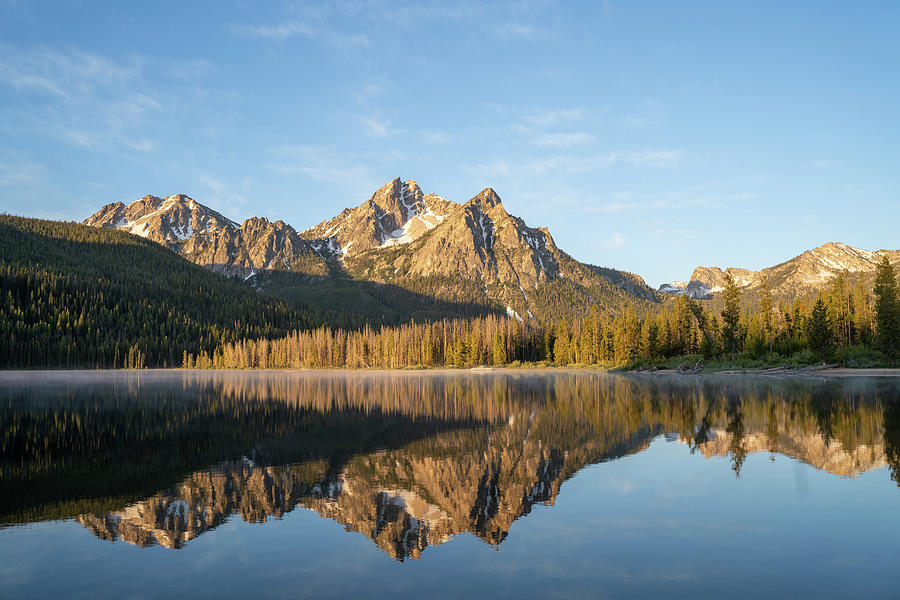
[858, 325]
[77, 296]
[356, 302]
[85, 297]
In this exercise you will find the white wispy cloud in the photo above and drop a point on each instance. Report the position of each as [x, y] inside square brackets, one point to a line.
[654, 158]
[616, 240]
[278, 31]
[615, 207]
[122, 107]
[632, 122]
[80, 98]
[436, 138]
[190, 71]
[552, 117]
[350, 173]
[530, 119]
[322, 30]
[372, 89]
[377, 127]
[521, 31]
[66, 75]
[224, 196]
[18, 173]
[565, 140]
[515, 29]
[675, 237]
[574, 164]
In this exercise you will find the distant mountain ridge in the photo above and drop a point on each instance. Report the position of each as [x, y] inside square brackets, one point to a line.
[207, 238]
[473, 252]
[810, 271]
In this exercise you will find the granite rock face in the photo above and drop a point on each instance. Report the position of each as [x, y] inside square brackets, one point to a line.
[205, 237]
[471, 252]
[810, 271]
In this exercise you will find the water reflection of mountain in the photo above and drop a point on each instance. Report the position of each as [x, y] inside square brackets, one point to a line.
[405, 499]
[810, 448]
[409, 460]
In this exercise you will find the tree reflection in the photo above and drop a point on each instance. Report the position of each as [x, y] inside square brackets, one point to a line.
[735, 428]
[410, 460]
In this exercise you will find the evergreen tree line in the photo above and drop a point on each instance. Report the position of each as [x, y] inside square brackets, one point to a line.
[844, 322]
[82, 297]
[489, 340]
[841, 322]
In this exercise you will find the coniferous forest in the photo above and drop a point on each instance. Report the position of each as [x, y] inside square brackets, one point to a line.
[73, 296]
[81, 297]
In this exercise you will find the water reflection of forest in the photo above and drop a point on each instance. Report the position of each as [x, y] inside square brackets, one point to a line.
[408, 459]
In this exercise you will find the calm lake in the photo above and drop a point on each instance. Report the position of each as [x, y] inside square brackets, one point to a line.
[502, 484]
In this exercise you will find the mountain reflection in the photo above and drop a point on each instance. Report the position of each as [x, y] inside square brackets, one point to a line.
[408, 459]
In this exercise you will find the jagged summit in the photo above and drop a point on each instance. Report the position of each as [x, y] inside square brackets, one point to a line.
[475, 252]
[205, 237]
[487, 199]
[396, 214]
[810, 270]
[170, 221]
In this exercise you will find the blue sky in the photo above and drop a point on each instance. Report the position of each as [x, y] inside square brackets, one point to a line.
[648, 136]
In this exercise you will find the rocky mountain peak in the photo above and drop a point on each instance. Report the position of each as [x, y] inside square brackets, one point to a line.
[487, 199]
[837, 254]
[397, 214]
[204, 236]
[398, 236]
[810, 270]
[170, 221]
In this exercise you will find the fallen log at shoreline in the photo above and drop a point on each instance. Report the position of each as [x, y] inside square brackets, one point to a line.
[685, 369]
[786, 370]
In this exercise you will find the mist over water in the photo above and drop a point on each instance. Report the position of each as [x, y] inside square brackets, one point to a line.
[504, 483]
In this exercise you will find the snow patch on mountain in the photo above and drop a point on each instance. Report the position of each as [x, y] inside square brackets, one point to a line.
[414, 227]
[512, 313]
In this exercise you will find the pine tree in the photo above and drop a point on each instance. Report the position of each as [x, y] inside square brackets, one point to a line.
[731, 315]
[498, 350]
[887, 310]
[819, 332]
[862, 320]
[765, 306]
[652, 345]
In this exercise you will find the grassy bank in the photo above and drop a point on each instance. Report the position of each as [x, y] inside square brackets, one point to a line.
[850, 357]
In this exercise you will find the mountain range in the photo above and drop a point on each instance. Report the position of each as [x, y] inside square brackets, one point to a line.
[408, 459]
[474, 253]
[429, 249]
[810, 271]
[422, 495]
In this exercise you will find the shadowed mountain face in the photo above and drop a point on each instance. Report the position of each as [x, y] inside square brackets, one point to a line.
[409, 460]
[476, 252]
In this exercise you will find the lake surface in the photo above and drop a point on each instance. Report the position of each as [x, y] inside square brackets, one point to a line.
[558, 484]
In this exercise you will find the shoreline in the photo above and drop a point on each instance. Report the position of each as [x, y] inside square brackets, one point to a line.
[829, 372]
